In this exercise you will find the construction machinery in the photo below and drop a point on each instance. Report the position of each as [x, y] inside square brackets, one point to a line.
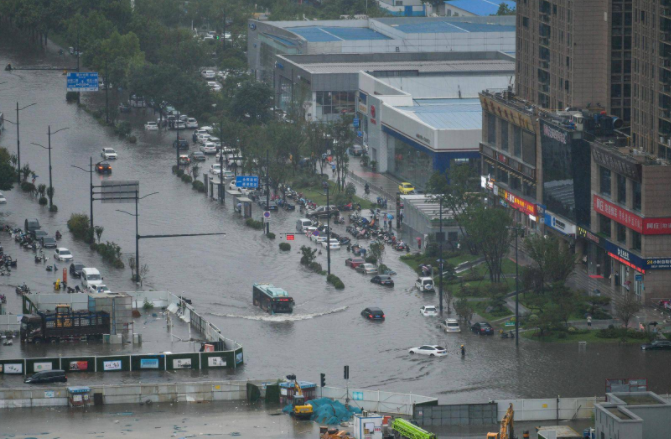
[406, 429]
[333, 433]
[507, 430]
[300, 410]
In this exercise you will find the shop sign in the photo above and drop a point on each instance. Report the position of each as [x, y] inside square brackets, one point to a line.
[363, 105]
[423, 139]
[373, 114]
[554, 134]
[646, 226]
[512, 116]
[658, 263]
[616, 162]
[586, 234]
[626, 257]
[518, 203]
[216, 362]
[559, 224]
[149, 363]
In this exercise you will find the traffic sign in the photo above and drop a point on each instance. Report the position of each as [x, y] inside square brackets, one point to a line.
[247, 181]
[290, 237]
[355, 122]
[266, 216]
[82, 81]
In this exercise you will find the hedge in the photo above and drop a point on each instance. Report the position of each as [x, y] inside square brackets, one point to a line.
[335, 281]
[285, 246]
[254, 224]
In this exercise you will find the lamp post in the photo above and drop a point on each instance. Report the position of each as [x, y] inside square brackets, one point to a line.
[440, 240]
[90, 171]
[51, 187]
[325, 185]
[18, 140]
[517, 291]
[137, 231]
[267, 191]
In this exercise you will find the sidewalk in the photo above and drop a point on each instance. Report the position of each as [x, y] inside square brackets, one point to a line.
[383, 185]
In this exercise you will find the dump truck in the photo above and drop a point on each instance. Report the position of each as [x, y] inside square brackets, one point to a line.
[63, 324]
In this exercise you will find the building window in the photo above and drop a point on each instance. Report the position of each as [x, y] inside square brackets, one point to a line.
[525, 21]
[636, 195]
[504, 135]
[529, 190]
[517, 141]
[635, 240]
[502, 175]
[604, 181]
[529, 148]
[604, 225]
[491, 129]
[515, 183]
[621, 189]
[621, 234]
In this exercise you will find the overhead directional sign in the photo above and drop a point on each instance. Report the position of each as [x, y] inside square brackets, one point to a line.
[82, 81]
[247, 181]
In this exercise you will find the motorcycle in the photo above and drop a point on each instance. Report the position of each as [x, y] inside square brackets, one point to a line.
[401, 246]
[340, 220]
[58, 235]
[22, 289]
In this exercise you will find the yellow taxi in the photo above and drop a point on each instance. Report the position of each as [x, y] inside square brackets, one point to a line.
[406, 188]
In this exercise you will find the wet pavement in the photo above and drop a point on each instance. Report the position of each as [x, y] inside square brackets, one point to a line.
[326, 330]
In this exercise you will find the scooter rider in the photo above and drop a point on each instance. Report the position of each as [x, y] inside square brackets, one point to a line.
[366, 189]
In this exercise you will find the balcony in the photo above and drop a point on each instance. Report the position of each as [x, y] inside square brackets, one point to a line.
[545, 65]
[544, 41]
[545, 88]
[544, 18]
[665, 63]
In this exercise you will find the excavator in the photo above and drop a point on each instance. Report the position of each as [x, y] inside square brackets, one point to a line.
[300, 410]
[507, 430]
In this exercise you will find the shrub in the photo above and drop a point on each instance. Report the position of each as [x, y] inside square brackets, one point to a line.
[316, 267]
[285, 246]
[122, 128]
[335, 281]
[254, 224]
[71, 96]
[174, 169]
[53, 208]
[132, 139]
[180, 172]
[270, 235]
[371, 259]
[43, 201]
[198, 186]
[110, 252]
[78, 224]
[147, 305]
[27, 186]
[187, 178]
[382, 268]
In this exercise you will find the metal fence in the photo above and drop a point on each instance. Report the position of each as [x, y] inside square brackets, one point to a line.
[377, 401]
[456, 414]
[551, 409]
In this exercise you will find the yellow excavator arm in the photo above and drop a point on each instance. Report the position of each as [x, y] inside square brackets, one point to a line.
[507, 430]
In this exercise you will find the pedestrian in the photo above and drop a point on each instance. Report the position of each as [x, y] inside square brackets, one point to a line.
[385, 223]
[589, 321]
[333, 168]
[463, 351]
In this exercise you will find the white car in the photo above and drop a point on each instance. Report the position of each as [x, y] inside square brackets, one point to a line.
[222, 74]
[108, 154]
[233, 187]
[428, 311]
[424, 284]
[102, 288]
[208, 38]
[191, 123]
[451, 325]
[229, 175]
[202, 138]
[215, 169]
[63, 254]
[334, 244]
[208, 129]
[179, 125]
[208, 74]
[151, 126]
[3, 200]
[208, 148]
[215, 86]
[318, 238]
[430, 350]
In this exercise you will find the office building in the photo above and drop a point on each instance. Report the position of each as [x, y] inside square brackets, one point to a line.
[632, 415]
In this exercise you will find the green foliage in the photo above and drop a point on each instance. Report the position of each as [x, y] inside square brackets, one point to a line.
[371, 259]
[132, 139]
[316, 267]
[285, 246]
[254, 224]
[504, 9]
[147, 306]
[27, 186]
[553, 261]
[464, 309]
[180, 173]
[79, 224]
[111, 253]
[187, 178]
[44, 201]
[7, 170]
[308, 255]
[198, 186]
[623, 333]
[335, 281]
[71, 96]
[487, 230]
[251, 103]
[270, 235]
[122, 128]
[98, 230]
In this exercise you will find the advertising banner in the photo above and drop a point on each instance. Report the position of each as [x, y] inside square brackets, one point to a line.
[39, 367]
[645, 226]
[112, 365]
[149, 363]
[79, 365]
[13, 368]
[216, 362]
[181, 363]
[518, 203]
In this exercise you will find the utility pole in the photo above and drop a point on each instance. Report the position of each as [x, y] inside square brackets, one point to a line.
[90, 171]
[107, 105]
[517, 293]
[48, 148]
[137, 237]
[177, 148]
[78, 93]
[18, 141]
[440, 240]
[222, 192]
[267, 190]
[224, 45]
[328, 233]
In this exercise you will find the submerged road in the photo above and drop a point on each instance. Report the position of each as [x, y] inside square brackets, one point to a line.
[326, 330]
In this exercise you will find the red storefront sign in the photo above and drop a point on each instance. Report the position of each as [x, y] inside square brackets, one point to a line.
[518, 203]
[646, 226]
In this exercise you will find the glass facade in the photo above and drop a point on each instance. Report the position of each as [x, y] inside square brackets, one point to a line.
[411, 165]
[332, 104]
[604, 181]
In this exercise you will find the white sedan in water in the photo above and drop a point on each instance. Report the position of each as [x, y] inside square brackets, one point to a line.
[430, 350]
[63, 254]
[428, 311]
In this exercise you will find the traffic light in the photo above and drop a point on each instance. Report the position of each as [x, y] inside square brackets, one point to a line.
[346, 372]
[322, 379]
[217, 37]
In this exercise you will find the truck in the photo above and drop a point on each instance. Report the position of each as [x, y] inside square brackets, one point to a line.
[63, 324]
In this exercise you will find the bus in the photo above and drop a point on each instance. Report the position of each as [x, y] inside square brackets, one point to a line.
[272, 299]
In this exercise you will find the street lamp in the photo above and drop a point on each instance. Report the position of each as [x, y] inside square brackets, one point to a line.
[516, 229]
[51, 188]
[137, 232]
[18, 139]
[325, 185]
[90, 171]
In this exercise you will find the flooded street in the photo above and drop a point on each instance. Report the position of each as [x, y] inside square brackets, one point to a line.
[326, 330]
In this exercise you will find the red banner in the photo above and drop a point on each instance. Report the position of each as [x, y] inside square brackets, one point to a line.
[646, 226]
[518, 203]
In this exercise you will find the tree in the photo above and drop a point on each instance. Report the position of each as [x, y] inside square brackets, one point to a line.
[99, 232]
[464, 309]
[131, 264]
[626, 307]
[595, 302]
[7, 171]
[487, 230]
[309, 255]
[251, 103]
[504, 9]
[564, 301]
[377, 251]
[553, 261]
[343, 139]
[144, 269]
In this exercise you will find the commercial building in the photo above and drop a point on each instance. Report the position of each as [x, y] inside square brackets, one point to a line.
[403, 8]
[472, 8]
[640, 415]
[266, 39]
[421, 221]
[426, 122]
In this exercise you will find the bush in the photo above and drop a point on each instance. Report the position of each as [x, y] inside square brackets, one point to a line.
[132, 139]
[371, 259]
[27, 186]
[110, 252]
[285, 246]
[53, 208]
[78, 224]
[316, 267]
[43, 201]
[382, 268]
[335, 281]
[198, 186]
[71, 96]
[122, 128]
[180, 172]
[270, 235]
[187, 178]
[174, 169]
[254, 224]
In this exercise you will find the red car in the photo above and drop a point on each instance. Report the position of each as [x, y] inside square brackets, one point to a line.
[354, 262]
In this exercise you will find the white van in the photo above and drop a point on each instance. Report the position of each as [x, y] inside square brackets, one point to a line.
[301, 223]
[91, 277]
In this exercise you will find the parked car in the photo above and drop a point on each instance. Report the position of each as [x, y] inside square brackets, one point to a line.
[63, 254]
[203, 138]
[184, 159]
[373, 313]
[214, 86]
[451, 325]
[386, 281]
[108, 154]
[318, 236]
[354, 262]
[322, 212]
[103, 168]
[229, 175]
[181, 143]
[431, 350]
[208, 148]
[38, 234]
[76, 269]
[194, 137]
[406, 188]
[100, 289]
[424, 284]
[47, 376]
[657, 345]
[482, 328]
[31, 224]
[333, 243]
[198, 156]
[428, 311]
[208, 74]
[215, 169]
[303, 222]
[48, 242]
[191, 123]
[367, 269]
[356, 150]
[91, 277]
[269, 207]
[179, 125]
[3, 200]
[151, 126]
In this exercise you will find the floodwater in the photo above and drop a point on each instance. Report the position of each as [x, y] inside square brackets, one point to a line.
[326, 330]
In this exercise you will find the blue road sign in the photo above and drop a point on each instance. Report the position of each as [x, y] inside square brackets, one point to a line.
[247, 181]
[355, 122]
[82, 81]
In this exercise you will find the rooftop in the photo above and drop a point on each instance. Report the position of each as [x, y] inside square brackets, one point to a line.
[618, 413]
[441, 25]
[481, 7]
[447, 114]
[638, 399]
[416, 66]
[319, 34]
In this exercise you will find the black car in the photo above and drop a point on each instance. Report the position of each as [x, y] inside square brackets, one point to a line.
[48, 242]
[265, 206]
[482, 328]
[103, 168]
[373, 313]
[76, 269]
[657, 345]
[385, 280]
[38, 234]
[47, 376]
[182, 143]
